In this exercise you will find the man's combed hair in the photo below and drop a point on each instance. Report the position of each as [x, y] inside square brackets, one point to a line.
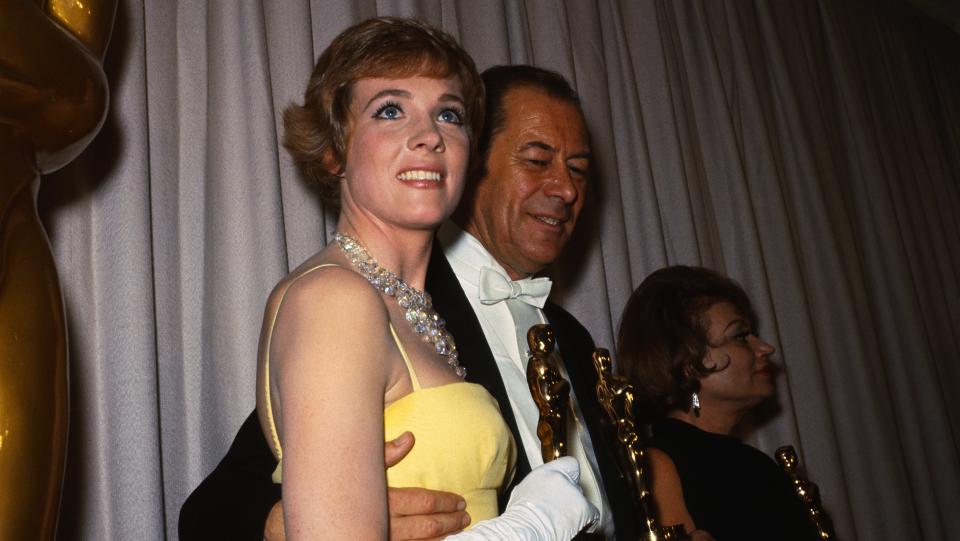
[316, 132]
[662, 339]
[499, 80]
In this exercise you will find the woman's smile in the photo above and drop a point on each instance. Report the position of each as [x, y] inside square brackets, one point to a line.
[421, 178]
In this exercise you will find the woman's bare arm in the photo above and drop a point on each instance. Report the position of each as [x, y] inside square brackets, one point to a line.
[667, 491]
[331, 355]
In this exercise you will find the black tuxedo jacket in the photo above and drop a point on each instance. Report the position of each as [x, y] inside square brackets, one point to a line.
[234, 500]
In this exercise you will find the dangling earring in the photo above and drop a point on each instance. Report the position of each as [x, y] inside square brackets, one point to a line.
[695, 403]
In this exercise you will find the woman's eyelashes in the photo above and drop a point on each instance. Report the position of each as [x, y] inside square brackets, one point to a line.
[393, 111]
[388, 110]
[742, 335]
[452, 115]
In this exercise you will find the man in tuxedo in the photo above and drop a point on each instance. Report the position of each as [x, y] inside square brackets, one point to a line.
[515, 219]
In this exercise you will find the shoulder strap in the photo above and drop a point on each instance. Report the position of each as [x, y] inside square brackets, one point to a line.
[406, 360]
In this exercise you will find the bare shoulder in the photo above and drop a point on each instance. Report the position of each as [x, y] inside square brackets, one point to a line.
[325, 344]
[323, 312]
[325, 286]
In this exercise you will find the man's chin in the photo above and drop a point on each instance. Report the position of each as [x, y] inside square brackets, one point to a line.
[539, 259]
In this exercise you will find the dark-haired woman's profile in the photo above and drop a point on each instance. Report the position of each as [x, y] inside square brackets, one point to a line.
[688, 342]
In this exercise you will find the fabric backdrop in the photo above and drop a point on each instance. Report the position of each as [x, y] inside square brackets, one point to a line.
[809, 149]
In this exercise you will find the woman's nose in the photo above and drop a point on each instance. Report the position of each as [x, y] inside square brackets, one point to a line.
[763, 348]
[426, 134]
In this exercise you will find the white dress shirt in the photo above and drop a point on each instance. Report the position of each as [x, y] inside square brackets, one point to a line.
[467, 256]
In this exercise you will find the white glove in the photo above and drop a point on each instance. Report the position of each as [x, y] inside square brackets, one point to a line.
[546, 506]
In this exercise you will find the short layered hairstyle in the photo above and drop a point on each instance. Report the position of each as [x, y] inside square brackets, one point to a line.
[662, 341]
[317, 133]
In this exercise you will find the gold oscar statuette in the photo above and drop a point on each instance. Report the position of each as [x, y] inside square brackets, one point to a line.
[53, 100]
[806, 490]
[615, 395]
[550, 392]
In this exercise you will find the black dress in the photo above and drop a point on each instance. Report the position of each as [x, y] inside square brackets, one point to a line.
[732, 490]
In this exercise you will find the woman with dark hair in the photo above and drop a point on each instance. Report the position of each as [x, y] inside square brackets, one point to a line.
[352, 351]
[688, 344]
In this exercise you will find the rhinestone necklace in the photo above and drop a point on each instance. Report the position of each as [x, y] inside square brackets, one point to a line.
[417, 305]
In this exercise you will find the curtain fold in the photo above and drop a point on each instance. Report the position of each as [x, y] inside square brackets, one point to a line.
[809, 149]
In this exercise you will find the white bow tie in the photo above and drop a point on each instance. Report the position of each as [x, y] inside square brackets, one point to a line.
[495, 287]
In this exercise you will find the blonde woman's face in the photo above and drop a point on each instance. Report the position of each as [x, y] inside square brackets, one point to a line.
[407, 152]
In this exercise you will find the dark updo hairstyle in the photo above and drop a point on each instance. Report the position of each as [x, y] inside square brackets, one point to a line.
[662, 339]
[316, 133]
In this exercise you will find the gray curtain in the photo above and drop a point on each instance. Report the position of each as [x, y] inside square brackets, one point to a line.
[809, 149]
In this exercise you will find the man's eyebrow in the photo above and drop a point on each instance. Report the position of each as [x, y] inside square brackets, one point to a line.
[538, 144]
[388, 92]
[586, 155]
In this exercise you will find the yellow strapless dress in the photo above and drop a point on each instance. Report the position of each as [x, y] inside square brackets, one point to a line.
[462, 443]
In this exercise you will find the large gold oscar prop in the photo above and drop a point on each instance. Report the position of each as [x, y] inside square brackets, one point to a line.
[550, 392]
[806, 490]
[53, 99]
[616, 397]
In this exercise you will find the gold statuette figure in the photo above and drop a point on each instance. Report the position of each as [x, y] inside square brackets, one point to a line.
[806, 490]
[53, 100]
[550, 392]
[615, 395]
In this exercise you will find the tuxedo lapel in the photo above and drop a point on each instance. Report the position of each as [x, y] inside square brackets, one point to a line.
[576, 350]
[575, 347]
[451, 303]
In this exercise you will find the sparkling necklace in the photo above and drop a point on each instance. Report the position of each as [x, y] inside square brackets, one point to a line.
[418, 307]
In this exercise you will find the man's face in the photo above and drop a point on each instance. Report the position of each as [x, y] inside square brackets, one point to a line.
[525, 207]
